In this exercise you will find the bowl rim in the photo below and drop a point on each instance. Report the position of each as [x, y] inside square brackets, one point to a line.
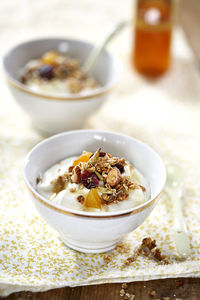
[77, 213]
[89, 95]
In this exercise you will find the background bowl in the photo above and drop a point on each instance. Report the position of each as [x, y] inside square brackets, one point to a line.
[54, 113]
[90, 231]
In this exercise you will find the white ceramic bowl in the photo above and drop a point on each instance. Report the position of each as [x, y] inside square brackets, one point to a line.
[89, 231]
[53, 113]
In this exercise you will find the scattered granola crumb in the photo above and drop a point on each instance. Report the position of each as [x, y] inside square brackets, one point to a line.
[178, 283]
[152, 293]
[129, 296]
[122, 248]
[165, 298]
[124, 285]
[107, 258]
[149, 249]
[122, 292]
[178, 299]
[132, 258]
[38, 179]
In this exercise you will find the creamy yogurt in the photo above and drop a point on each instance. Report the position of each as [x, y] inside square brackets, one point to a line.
[68, 199]
[55, 86]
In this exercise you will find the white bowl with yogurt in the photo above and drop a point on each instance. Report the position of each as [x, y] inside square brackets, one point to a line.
[54, 112]
[93, 231]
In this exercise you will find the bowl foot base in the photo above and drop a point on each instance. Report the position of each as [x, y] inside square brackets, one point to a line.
[82, 247]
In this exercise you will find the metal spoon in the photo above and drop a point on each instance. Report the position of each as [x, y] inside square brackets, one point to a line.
[94, 55]
[173, 188]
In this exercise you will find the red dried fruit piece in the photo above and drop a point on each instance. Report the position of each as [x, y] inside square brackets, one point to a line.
[89, 180]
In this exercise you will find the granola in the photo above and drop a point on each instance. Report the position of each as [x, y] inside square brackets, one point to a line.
[56, 72]
[149, 249]
[96, 181]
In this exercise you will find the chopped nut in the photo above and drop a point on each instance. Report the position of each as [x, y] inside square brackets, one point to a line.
[114, 177]
[76, 172]
[122, 292]
[70, 169]
[152, 293]
[81, 199]
[38, 179]
[132, 297]
[107, 258]
[165, 298]
[72, 190]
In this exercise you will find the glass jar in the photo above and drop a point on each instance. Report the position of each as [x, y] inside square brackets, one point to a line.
[153, 31]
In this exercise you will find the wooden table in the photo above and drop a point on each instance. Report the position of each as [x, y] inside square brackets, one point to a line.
[174, 288]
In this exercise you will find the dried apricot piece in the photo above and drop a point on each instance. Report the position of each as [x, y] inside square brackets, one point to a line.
[93, 199]
[50, 58]
[82, 158]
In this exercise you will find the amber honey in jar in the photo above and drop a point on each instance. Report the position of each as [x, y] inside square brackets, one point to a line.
[153, 30]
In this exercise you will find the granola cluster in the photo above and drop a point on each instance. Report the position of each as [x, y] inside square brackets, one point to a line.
[149, 249]
[102, 174]
[53, 65]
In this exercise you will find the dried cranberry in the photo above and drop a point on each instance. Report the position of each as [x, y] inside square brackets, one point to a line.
[120, 167]
[89, 180]
[46, 72]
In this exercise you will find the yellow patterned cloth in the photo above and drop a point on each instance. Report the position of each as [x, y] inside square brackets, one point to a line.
[165, 114]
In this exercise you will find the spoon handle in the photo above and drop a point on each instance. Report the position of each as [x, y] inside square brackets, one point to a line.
[90, 61]
[180, 232]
